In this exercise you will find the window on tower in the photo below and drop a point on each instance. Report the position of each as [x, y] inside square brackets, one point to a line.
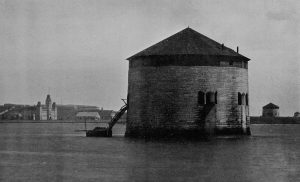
[239, 98]
[210, 98]
[201, 98]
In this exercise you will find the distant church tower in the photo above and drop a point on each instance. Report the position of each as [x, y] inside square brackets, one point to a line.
[47, 111]
[49, 107]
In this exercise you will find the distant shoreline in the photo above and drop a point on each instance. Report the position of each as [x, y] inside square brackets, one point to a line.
[274, 120]
[52, 121]
[253, 120]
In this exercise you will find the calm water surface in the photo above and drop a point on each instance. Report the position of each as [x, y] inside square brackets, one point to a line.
[56, 152]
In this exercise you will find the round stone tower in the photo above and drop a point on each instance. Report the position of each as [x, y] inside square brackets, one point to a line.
[187, 85]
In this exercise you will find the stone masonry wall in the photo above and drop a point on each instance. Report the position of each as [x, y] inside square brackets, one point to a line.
[167, 96]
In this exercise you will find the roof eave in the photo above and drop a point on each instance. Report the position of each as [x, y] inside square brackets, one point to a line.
[244, 58]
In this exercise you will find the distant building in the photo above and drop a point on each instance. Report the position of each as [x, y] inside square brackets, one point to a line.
[13, 115]
[17, 112]
[47, 111]
[85, 115]
[4, 110]
[68, 112]
[28, 113]
[85, 108]
[297, 114]
[106, 115]
[270, 110]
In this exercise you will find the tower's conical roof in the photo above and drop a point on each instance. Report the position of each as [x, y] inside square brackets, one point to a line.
[188, 42]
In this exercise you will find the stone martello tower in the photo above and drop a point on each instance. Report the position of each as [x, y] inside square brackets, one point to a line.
[190, 85]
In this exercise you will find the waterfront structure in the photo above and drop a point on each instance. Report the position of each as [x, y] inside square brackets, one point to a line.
[270, 110]
[28, 112]
[40, 112]
[13, 115]
[106, 115]
[85, 115]
[47, 111]
[187, 84]
[68, 112]
[17, 112]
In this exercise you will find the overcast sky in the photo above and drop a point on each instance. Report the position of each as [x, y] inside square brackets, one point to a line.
[77, 49]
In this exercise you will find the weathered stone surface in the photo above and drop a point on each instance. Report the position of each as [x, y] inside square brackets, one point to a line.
[165, 98]
[166, 79]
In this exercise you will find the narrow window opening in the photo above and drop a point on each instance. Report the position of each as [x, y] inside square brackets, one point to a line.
[207, 98]
[201, 98]
[247, 101]
[239, 98]
[210, 98]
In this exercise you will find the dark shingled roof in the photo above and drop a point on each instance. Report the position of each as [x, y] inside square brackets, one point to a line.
[188, 42]
[271, 106]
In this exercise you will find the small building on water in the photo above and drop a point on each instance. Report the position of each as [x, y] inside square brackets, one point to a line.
[270, 110]
[297, 114]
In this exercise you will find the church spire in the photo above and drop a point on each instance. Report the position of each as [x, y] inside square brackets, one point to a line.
[48, 101]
